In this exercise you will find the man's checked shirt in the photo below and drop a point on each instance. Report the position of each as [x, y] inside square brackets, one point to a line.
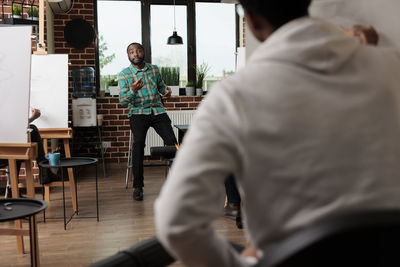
[147, 99]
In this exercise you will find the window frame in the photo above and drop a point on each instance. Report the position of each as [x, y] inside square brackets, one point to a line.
[191, 31]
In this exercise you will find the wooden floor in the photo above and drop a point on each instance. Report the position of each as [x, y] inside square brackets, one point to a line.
[123, 222]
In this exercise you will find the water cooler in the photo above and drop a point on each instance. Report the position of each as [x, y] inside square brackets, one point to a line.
[84, 104]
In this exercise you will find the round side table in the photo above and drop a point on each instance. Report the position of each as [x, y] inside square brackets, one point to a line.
[18, 208]
[71, 163]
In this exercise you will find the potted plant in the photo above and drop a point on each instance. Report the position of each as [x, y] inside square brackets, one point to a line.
[113, 86]
[170, 76]
[33, 13]
[17, 11]
[201, 73]
[190, 88]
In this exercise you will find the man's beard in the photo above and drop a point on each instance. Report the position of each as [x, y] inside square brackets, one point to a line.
[138, 62]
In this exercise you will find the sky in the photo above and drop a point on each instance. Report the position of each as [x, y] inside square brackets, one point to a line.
[119, 23]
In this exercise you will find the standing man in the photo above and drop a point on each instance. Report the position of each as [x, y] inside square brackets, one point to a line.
[142, 89]
[309, 129]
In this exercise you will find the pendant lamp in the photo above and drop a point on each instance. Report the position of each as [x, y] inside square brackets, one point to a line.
[174, 39]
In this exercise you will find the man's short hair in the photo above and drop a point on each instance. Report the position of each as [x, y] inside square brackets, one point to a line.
[278, 12]
[137, 44]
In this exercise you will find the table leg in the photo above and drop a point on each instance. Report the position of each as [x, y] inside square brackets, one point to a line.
[102, 151]
[30, 187]
[34, 242]
[97, 193]
[12, 164]
[71, 176]
[63, 196]
[45, 148]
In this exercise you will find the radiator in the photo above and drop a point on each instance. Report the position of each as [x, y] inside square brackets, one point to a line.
[177, 117]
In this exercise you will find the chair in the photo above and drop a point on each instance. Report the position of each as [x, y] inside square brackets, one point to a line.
[148, 253]
[166, 152]
[367, 239]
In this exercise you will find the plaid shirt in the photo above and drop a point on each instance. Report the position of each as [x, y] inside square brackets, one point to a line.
[147, 99]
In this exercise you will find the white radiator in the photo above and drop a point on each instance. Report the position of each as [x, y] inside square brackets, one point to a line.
[177, 117]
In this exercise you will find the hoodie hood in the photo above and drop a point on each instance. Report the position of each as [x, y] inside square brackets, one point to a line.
[310, 42]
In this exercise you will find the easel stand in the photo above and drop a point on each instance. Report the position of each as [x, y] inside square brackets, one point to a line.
[65, 134]
[13, 152]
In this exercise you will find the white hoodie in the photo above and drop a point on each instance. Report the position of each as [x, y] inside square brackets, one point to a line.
[309, 128]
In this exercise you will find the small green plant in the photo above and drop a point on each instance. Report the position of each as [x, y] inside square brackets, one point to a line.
[201, 73]
[190, 84]
[113, 82]
[17, 10]
[33, 12]
[170, 75]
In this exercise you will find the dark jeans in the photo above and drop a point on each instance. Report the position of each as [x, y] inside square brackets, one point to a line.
[232, 192]
[140, 124]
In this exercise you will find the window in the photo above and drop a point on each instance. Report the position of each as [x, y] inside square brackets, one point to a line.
[208, 28]
[216, 39]
[162, 54]
[120, 25]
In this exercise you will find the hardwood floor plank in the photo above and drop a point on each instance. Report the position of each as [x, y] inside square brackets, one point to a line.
[123, 222]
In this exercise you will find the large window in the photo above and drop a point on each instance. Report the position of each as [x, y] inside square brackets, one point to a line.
[162, 54]
[119, 24]
[216, 40]
[208, 28]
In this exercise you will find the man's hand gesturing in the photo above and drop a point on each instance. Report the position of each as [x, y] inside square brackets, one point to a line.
[167, 93]
[137, 85]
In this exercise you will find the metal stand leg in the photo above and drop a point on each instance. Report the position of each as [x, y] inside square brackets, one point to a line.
[129, 164]
[62, 178]
[41, 181]
[102, 151]
[33, 236]
[97, 195]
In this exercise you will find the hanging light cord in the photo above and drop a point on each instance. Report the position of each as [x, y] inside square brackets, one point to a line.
[174, 18]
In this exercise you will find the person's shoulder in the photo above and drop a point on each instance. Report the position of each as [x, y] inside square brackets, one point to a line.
[152, 66]
[125, 70]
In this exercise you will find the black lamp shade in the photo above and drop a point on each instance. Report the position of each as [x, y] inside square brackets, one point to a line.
[175, 39]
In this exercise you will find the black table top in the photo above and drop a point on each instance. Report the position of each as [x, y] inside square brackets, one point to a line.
[18, 208]
[69, 162]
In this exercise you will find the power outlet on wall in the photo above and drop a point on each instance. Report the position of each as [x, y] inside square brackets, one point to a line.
[106, 144]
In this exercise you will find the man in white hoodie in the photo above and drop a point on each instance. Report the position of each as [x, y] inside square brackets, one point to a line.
[309, 128]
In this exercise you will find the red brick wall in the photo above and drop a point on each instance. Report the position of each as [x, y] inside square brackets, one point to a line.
[116, 123]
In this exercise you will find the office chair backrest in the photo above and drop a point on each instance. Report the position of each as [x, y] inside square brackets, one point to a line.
[148, 253]
[167, 152]
[365, 239]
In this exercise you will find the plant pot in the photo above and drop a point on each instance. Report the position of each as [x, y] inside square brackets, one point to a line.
[17, 16]
[174, 89]
[199, 91]
[114, 90]
[33, 18]
[190, 91]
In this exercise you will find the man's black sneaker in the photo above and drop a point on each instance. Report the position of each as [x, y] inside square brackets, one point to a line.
[138, 194]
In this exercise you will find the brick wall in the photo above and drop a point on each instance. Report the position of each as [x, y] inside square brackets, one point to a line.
[116, 123]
